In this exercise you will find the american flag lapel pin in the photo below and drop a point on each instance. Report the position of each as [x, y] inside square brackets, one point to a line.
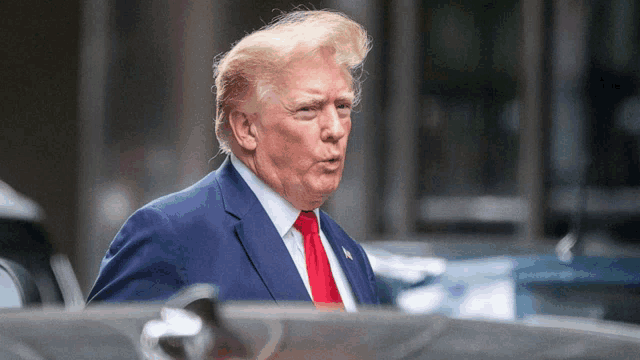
[347, 253]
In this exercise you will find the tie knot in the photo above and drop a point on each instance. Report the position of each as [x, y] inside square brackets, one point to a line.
[306, 223]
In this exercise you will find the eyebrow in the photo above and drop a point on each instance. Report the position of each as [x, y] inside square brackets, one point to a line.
[312, 100]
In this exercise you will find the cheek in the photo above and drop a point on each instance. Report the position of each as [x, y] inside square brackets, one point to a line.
[288, 153]
[347, 126]
[286, 137]
[277, 142]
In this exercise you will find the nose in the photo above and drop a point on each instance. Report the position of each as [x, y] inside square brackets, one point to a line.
[334, 126]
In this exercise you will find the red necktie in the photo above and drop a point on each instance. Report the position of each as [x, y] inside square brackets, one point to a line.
[323, 286]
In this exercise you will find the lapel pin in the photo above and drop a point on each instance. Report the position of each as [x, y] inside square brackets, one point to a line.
[347, 253]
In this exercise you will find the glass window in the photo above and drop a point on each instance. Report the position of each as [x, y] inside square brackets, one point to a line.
[10, 292]
[468, 133]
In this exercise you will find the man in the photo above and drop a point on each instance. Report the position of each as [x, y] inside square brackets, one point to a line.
[253, 227]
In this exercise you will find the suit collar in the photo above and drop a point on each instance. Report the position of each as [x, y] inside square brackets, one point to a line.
[237, 197]
[344, 248]
[260, 238]
[280, 211]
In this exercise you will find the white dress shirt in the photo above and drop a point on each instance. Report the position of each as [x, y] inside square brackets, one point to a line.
[284, 215]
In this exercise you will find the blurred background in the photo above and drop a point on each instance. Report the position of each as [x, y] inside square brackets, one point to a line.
[486, 127]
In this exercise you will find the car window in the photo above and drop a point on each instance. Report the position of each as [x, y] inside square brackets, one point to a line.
[10, 292]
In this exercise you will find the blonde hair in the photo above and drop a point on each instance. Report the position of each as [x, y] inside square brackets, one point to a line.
[253, 65]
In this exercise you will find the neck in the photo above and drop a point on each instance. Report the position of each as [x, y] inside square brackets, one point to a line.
[248, 160]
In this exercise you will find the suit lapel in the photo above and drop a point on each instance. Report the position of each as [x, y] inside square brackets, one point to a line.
[355, 274]
[260, 238]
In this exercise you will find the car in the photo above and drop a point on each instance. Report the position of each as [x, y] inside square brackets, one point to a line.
[433, 308]
[192, 325]
[27, 257]
[509, 287]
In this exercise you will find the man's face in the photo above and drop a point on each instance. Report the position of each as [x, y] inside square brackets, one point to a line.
[302, 132]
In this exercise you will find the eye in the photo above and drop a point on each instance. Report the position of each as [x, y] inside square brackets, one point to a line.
[306, 112]
[344, 109]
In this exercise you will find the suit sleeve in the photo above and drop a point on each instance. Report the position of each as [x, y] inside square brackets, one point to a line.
[143, 263]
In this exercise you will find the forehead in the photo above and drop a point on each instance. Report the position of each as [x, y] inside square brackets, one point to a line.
[316, 75]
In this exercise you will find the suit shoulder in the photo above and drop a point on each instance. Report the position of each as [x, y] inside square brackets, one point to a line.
[202, 197]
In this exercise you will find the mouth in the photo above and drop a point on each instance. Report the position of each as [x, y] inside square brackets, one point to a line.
[332, 163]
[333, 160]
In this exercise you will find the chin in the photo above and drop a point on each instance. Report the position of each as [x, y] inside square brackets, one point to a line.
[321, 189]
[328, 182]
[321, 195]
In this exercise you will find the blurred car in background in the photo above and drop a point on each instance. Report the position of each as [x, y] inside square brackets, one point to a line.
[508, 287]
[27, 258]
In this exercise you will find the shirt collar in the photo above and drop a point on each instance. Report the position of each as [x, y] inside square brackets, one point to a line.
[279, 210]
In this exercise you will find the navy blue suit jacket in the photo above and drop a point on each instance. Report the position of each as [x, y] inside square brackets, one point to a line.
[216, 232]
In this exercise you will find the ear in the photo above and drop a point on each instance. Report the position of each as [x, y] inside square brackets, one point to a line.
[244, 129]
